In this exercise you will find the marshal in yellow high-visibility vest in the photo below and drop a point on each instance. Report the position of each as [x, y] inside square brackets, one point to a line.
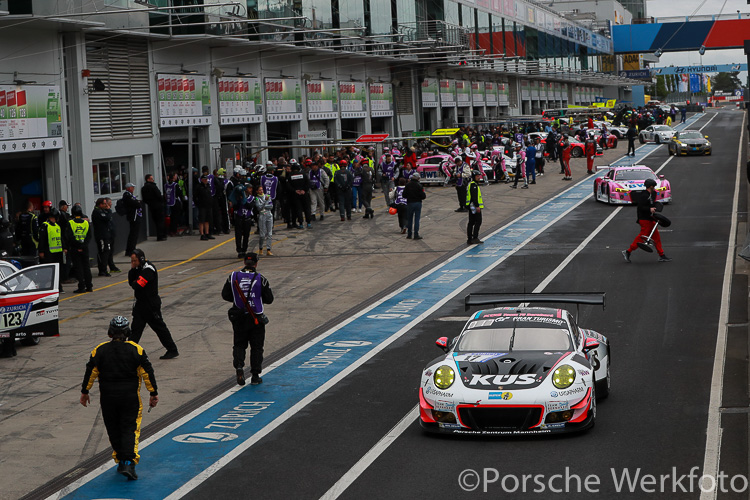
[80, 229]
[479, 194]
[54, 237]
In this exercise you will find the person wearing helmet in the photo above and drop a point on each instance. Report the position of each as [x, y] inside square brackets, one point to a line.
[27, 230]
[46, 208]
[645, 208]
[248, 290]
[143, 278]
[79, 250]
[474, 205]
[120, 366]
[53, 242]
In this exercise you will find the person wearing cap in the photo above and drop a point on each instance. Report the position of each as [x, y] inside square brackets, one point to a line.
[64, 216]
[388, 174]
[79, 250]
[414, 194]
[319, 183]
[248, 290]
[645, 208]
[143, 278]
[134, 215]
[204, 201]
[344, 181]
[474, 205]
[120, 365]
[27, 230]
[53, 242]
[152, 197]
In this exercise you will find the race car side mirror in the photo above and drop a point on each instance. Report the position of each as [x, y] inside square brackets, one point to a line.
[442, 343]
[590, 344]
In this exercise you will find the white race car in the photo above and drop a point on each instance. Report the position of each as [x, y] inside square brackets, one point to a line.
[656, 133]
[517, 370]
[28, 302]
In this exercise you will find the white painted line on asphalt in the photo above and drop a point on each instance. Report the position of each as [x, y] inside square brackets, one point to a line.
[709, 121]
[713, 431]
[374, 452]
[364, 462]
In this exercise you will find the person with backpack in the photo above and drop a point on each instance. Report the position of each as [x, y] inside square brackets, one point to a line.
[79, 250]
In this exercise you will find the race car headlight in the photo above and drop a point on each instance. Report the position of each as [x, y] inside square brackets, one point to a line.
[444, 377]
[563, 377]
[708, 144]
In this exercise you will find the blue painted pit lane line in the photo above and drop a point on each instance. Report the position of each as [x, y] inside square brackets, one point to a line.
[180, 457]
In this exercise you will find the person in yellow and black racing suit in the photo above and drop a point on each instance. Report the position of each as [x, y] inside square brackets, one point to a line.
[120, 365]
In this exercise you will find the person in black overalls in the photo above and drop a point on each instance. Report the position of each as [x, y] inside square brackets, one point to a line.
[248, 290]
[243, 220]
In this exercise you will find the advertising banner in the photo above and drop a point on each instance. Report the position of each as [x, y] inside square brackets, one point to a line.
[353, 99]
[525, 90]
[490, 93]
[695, 82]
[381, 99]
[534, 90]
[283, 99]
[322, 100]
[430, 93]
[503, 94]
[463, 93]
[184, 100]
[30, 118]
[240, 100]
[447, 93]
[477, 93]
[558, 91]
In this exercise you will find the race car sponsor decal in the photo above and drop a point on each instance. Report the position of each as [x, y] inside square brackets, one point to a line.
[442, 405]
[566, 392]
[555, 322]
[504, 433]
[584, 372]
[14, 316]
[480, 357]
[431, 391]
[594, 335]
[445, 425]
[504, 380]
[481, 323]
[559, 425]
[557, 405]
[501, 395]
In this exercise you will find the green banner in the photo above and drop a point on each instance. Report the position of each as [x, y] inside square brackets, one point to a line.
[240, 100]
[381, 99]
[184, 100]
[30, 112]
[322, 100]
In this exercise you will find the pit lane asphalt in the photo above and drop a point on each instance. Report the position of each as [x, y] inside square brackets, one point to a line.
[661, 319]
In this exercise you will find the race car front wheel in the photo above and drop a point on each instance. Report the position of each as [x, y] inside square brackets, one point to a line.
[576, 152]
[30, 341]
[602, 386]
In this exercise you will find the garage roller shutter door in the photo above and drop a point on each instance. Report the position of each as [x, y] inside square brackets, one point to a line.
[123, 109]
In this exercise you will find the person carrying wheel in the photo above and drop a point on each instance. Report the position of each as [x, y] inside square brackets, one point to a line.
[646, 209]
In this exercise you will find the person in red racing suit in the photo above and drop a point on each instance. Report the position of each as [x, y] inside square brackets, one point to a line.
[645, 209]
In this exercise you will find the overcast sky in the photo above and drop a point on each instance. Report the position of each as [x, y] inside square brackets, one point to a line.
[667, 8]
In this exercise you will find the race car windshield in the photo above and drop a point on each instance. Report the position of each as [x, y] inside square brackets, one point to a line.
[691, 135]
[526, 338]
[634, 175]
[662, 128]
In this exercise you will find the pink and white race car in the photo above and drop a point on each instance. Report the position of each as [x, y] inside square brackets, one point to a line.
[620, 183]
[435, 170]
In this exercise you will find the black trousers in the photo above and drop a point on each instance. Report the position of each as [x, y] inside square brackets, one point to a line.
[82, 268]
[461, 194]
[146, 315]
[223, 214]
[631, 146]
[472, 229]
[247, 333]
[122, 418]
[242, 227]
[175, 217]
[135, 227]
[103, 255]
[215, 225]
[157, 215]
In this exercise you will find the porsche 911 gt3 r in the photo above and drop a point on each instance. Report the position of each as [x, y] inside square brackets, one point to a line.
[620, 184]
[656, 133]
[517, 370]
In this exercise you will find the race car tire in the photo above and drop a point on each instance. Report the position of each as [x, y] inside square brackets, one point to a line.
[669, 150]
[614, 143]
[576, 152]
[609, 196]
[602, 386]
[641, 139]
[30, 341]
[616, 134]
[596, 192]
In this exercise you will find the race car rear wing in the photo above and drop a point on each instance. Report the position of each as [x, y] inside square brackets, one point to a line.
[495, 299]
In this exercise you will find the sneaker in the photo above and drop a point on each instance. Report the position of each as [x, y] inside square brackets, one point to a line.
[477, 241]
[469, 242]
[210, 237]
[460, 210]
[626, 255]
[514, 187]
[309, 226]
[128, 470]
[106, 275]
[169, 355]
[348, 217]
[240, 376]
[322, 217]
[525, 186]
[343, 219]
[203, 237]
[664, 258]
[115, 270]
[403, 230]
[89, 288]
[121, 467]
[240, 255]
[79, 290]
[300, 226]
[417, 237]
[533, 182]
[255, 379]
[408, 236]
